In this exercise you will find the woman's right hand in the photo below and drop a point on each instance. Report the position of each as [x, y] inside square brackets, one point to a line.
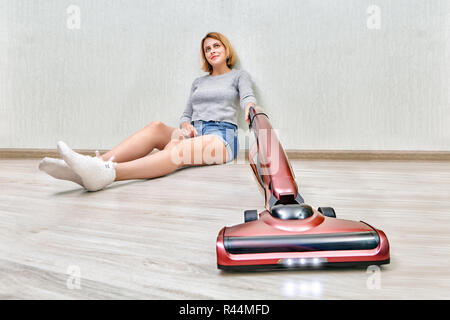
[188, 130]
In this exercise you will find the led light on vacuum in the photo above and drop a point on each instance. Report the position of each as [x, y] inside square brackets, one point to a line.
[290, 262]
[295, 262]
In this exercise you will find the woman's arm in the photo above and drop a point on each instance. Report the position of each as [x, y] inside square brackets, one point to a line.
[247, 98]
[187, 114]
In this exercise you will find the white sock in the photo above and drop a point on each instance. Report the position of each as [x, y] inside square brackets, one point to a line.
[58, 169]
[95, 173]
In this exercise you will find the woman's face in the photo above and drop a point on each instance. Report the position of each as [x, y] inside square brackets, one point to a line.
[215, 52]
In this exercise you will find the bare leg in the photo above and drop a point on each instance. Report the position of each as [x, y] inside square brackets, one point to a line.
[154, 135]
[155, 165]
[177, 154]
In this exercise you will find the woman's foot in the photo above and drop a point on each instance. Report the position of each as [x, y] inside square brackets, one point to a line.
[95, 173]
[58, 169]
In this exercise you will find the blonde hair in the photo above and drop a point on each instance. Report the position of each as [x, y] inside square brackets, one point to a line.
[230, 53]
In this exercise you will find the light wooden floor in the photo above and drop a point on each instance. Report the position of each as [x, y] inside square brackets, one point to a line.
[155, 239]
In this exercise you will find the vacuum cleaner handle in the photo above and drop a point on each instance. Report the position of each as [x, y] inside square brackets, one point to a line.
[281, 183]
[251, 115]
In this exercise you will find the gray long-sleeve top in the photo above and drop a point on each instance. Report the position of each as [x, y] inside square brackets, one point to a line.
[216, 97]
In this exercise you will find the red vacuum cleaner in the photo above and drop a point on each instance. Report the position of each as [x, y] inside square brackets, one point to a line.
[290, 234]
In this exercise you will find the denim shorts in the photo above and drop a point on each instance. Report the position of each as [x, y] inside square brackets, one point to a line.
[225, 131]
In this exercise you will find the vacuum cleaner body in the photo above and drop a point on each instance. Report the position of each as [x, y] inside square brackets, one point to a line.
[289, 233]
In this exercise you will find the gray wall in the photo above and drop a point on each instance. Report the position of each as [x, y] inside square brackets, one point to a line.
[328, 77]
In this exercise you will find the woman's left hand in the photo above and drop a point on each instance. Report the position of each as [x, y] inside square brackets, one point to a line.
[247, 108]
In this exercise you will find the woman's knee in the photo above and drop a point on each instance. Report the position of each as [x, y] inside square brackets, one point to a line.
[161, 133]
[172, 144]
[156, 125]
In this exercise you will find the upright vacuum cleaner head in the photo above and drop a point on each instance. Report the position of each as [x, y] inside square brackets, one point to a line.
[289, 233]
